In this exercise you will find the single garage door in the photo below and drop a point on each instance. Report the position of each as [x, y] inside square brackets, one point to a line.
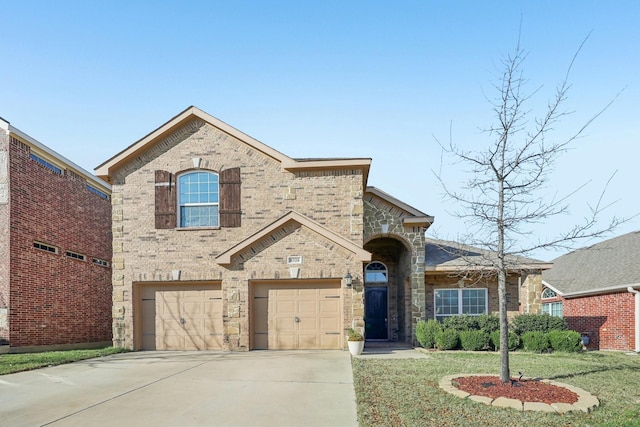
[292, 317]
[185, 317]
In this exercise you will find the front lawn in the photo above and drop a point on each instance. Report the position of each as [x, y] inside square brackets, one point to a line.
[404, 392]
[11, 363]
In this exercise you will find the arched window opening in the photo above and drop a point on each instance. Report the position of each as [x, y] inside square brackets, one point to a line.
[548, 293]
[198, 199]
[376, 272]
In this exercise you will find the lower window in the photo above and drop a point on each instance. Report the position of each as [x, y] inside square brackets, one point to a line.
[453, 302]
[552, 308]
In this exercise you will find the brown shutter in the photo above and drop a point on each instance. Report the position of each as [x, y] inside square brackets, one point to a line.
[230, 212]
[165, 200]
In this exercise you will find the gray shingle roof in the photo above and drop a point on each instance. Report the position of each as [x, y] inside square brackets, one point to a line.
[609, 264]
[442, 254]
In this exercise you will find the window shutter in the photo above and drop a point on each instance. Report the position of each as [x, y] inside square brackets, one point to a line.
[230, 212]
[165, 200]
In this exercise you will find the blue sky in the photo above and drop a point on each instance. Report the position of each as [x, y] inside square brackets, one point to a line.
[330, 79]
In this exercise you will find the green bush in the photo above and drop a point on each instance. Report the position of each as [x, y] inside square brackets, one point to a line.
[474, 340]
[488, 323]
[569, 341]
[426, 332]
[523, 323]
[461, 323]
[447, 339]
[514, 340]
[535, 341]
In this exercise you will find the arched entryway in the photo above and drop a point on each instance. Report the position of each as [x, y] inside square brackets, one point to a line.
[387, 291]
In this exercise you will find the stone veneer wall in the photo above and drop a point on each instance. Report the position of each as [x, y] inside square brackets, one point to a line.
[411, 267]
[142, 253]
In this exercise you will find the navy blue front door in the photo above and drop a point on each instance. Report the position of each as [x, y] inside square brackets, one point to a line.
[375, 313]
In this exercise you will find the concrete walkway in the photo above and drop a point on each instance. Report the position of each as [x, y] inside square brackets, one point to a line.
[258, 388]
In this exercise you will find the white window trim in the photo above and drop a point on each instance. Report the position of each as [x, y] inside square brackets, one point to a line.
[549, 290]
[459, 313]
[75, 255]
[45, 247]
[180, 204]
[386, 272]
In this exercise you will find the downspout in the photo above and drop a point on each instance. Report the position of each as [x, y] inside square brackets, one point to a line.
[637, 318]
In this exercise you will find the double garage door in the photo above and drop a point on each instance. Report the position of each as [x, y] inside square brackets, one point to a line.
[282, 316]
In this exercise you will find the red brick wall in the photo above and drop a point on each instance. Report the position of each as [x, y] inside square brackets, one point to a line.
[608, 319]
[55, 299]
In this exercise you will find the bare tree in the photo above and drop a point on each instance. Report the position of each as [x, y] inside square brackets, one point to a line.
[504, 196]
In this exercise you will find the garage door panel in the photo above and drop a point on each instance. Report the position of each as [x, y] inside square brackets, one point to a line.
[308, 307]
[182, 317]
[318, 308]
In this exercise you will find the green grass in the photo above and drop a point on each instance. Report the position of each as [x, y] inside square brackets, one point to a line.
[405, 392]
[11, 363]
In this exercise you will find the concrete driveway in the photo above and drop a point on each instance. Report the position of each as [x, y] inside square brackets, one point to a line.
[258, 388]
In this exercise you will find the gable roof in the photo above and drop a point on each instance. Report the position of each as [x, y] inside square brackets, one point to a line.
[604, 267]
[445, 256]
[361, 254]
[105, 170]
[414, 217]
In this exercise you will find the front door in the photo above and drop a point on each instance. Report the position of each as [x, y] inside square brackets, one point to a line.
[375, 313]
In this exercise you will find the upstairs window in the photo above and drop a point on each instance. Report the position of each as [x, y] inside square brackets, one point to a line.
[198, 200]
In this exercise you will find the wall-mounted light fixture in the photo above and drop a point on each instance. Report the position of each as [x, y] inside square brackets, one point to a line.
[348, 280]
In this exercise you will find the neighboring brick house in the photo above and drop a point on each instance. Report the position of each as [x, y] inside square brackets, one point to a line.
[221, 242]
[55, 274]
[597, 290]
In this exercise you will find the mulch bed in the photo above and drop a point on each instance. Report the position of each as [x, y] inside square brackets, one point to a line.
[523, 390]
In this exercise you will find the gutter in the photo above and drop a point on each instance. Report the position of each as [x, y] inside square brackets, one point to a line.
[637, 317]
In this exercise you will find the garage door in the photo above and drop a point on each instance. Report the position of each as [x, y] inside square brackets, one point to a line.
[287, 317]
[187, 317]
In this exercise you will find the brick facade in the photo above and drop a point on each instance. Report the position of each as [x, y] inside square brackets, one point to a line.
[332, 198]
[608, 320]
[52, 300]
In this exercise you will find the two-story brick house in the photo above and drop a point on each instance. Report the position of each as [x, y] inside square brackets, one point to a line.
[55, 252]
[221, 242]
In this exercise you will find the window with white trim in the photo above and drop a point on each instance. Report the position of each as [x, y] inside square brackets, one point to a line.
[376, 272]
[453, 302]
[75, 255]
[101, 262]
[198, 199]
[551, 308]
[45, 247]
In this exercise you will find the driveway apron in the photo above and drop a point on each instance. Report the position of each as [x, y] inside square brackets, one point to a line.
[258, 388]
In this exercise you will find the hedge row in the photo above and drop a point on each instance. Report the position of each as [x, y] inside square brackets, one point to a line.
[534, 332]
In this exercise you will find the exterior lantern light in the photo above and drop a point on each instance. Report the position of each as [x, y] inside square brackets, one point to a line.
[348, 280]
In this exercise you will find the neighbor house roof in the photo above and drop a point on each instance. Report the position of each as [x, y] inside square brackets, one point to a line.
[446, 256]
[604, 267]
[105, 170]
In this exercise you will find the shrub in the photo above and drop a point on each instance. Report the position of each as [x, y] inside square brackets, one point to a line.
[426, 332]
[569, 341]
[514, 340]
[535, 341]
[474, 340]
[488, 323]
[447, 339]
[461, 323]
[523, 323]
